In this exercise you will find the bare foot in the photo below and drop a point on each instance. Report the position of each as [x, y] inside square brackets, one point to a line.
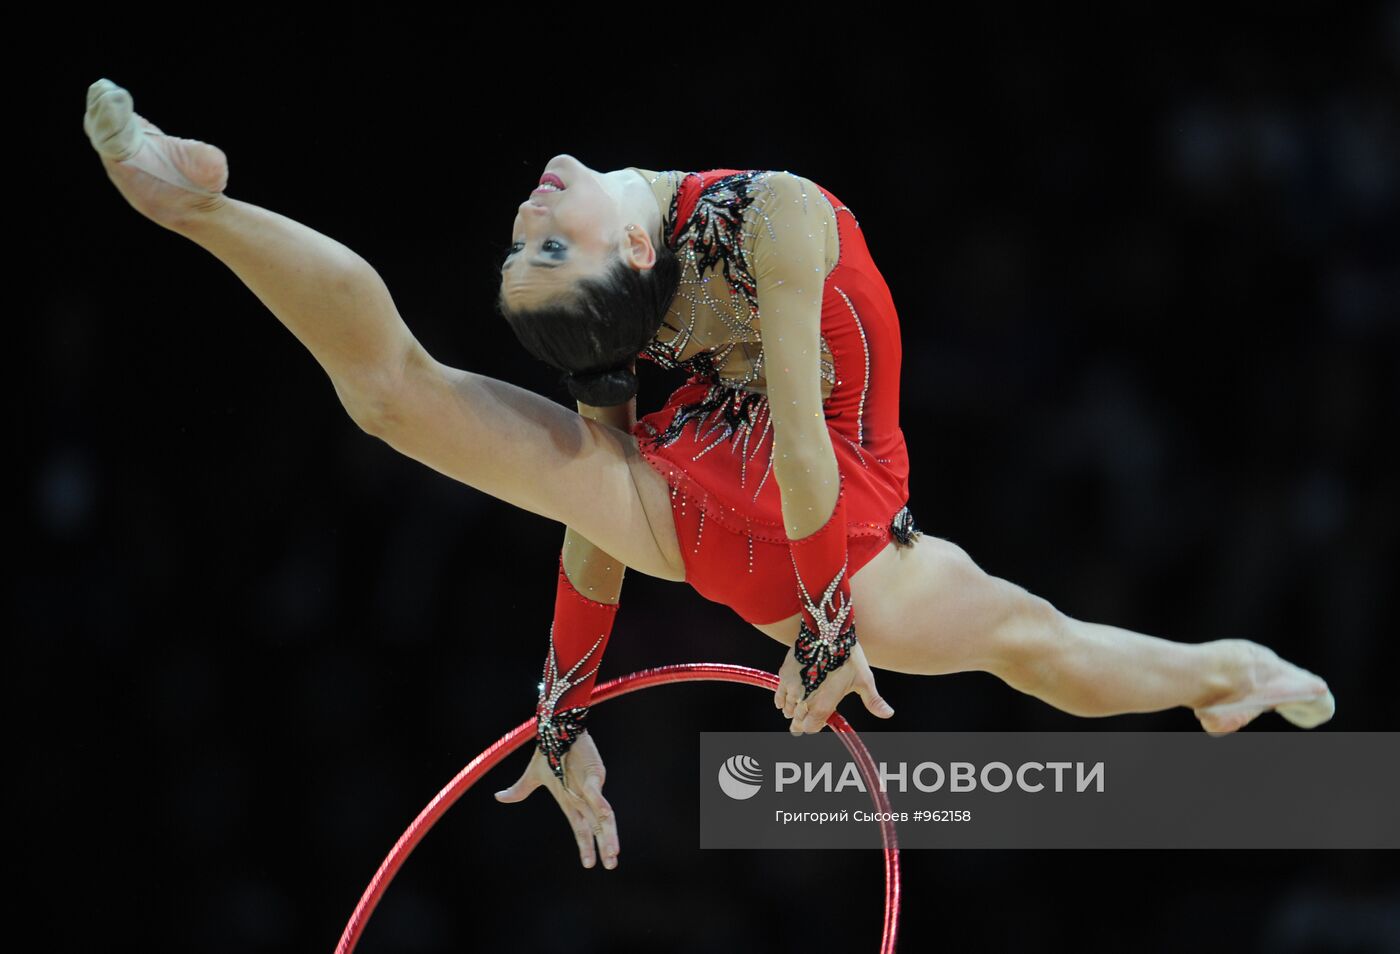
[165, 178]
[1268, 682]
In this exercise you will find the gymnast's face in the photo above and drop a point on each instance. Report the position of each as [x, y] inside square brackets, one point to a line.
[560, 237]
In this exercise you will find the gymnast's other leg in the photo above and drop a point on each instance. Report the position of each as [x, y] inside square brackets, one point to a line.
[929, 609]
[501, 439]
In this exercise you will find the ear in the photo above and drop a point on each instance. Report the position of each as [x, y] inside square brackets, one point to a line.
[638, 250]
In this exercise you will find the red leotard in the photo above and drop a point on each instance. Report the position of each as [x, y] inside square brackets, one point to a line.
[713, 443]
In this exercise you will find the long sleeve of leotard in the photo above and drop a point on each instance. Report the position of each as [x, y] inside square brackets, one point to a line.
[792, 222]
[578, 637]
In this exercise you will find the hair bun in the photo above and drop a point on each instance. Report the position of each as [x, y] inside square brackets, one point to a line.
[602, 388]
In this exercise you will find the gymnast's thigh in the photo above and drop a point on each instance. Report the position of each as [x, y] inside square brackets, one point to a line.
[929, 609]
[655, 496]
[524, 449]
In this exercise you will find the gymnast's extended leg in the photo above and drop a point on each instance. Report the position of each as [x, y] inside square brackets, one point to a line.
[503, 440]
[930, 609]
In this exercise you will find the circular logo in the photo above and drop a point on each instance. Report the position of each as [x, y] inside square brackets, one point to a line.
[740, 777]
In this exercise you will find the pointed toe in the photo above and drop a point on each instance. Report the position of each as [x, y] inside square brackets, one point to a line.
[1310, 713]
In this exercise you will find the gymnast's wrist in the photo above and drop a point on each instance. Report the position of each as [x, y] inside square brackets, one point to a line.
[821, 649]
[556, 732]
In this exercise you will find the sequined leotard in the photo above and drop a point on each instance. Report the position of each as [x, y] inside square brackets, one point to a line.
[734, 232]
[713, 439]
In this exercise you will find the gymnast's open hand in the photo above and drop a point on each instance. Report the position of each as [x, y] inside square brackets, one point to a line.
[810, 715]
[588, 812]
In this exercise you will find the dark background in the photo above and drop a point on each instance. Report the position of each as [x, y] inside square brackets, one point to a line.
[1146, 270]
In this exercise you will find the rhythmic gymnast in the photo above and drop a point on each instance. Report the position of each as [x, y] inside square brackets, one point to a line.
[774, 480]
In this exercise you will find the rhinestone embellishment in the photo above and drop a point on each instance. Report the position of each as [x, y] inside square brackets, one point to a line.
[557, 731]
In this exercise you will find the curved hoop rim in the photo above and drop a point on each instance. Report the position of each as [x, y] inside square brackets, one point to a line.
[633, 682]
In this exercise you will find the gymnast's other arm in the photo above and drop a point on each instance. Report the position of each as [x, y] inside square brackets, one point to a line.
[573, 771]
[789, 271]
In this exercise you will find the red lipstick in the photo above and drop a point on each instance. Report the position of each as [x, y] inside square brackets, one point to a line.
[551, 179]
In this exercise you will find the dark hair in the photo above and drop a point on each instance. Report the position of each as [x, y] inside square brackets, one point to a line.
[593, 332]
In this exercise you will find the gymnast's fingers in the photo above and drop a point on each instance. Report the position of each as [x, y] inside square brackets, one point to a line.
[812, 712]
[603, 820]
[527, 783]
[576, 812]
[789, 692]
[799, 717]
[795, 694]
[870, 695]
[583, 834]
[589, 828]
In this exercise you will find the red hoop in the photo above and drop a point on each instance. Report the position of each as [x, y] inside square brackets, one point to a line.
[646, 678]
